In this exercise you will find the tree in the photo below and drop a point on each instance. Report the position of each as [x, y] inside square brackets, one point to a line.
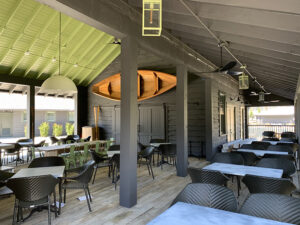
[44, 129]
[69, 128]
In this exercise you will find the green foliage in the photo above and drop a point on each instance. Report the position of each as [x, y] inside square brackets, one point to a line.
[69, 128]
[57, 129]
[25, 130]
[44, 129]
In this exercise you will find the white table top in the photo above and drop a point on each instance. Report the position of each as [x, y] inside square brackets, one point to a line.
[65, 146]
[188, 214]
[159, 144]
[56, 171]
[262, 152]
[6, 168]
[275, 142]
[6, 146]
[111, 153]
[240, 170]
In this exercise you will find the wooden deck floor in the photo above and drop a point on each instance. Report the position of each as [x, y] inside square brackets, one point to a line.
[154, 197]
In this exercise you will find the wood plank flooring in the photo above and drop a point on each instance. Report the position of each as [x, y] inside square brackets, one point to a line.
[154, 197]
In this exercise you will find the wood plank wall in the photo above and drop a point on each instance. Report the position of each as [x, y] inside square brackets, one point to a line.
[196, 109]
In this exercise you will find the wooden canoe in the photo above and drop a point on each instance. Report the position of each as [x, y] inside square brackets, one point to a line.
[150, 84]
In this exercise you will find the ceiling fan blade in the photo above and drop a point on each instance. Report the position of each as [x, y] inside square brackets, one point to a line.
[274, 101]
[234, 73]
[228, 66]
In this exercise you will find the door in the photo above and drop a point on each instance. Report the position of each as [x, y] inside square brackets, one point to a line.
[151, 123]
[231, 123]
[5, 124]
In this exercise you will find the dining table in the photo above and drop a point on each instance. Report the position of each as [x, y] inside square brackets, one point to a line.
[261, 152]
[188, 214]
[241, 170]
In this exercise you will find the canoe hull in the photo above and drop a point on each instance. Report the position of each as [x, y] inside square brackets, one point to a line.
[149, 84]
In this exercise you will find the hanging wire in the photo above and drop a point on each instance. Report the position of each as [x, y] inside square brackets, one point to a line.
[59, 44]
[219, 42]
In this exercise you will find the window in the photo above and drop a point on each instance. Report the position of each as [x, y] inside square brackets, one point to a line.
[50, 116]
[222, 113]
[24, 116]
[71, 116]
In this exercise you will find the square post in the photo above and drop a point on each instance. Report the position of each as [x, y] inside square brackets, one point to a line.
[129, 117]
[208, 119]
[182, 120]
[31, 111]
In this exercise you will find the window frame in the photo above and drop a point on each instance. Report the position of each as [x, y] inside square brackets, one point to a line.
[222, 97]
[47, 118]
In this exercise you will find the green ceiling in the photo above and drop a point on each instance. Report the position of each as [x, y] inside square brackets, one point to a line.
[28, 26]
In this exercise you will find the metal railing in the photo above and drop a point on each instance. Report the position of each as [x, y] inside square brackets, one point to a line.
[255, 131]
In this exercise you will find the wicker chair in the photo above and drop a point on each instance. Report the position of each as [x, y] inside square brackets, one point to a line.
[81, 181]
[4, 176]
[280, 148]
[100, 162]
[270, 139]
[260, 144]
[250, 146]
[273, 206]
[249, 157]
[32, 191]
[54, 140]
[208, 195]
[258, 184]
[268, 134]
[114, 148]
[289, 156]
[228, 158]
[156, 150]
[207, 176]
[168, 152]
[115, 160]
[13, 152]
[47, 161]
[145, 157]
[278, 163]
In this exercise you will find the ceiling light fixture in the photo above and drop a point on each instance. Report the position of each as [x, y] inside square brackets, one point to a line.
[53, 59]
[58, 84]
[152, 16]
[27, 52]
[76, 65]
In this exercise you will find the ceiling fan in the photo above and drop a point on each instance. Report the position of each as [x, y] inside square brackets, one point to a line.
[227, 67]
[254, 93]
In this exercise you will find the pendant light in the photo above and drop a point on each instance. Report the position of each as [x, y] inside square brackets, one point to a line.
[58, 84]
[152, 17]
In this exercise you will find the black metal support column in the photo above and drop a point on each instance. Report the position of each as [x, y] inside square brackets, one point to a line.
[182, 120]
[129, 119]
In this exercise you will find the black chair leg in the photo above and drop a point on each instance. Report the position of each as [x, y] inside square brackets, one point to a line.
[54, 199]
[87, 199]
[49, 211]
[148, 167]
[151, 170]
[60, 195]
[15, 213]
[89, 194]
[65, 193]
[95, 175]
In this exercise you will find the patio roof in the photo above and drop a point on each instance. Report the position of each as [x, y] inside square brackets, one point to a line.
[29, 44]
[262, 35]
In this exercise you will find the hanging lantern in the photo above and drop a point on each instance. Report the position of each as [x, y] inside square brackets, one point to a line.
[243, 82]
[261, 96]
[152, 14]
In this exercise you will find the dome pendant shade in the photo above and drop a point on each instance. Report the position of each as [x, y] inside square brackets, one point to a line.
[58, 85]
